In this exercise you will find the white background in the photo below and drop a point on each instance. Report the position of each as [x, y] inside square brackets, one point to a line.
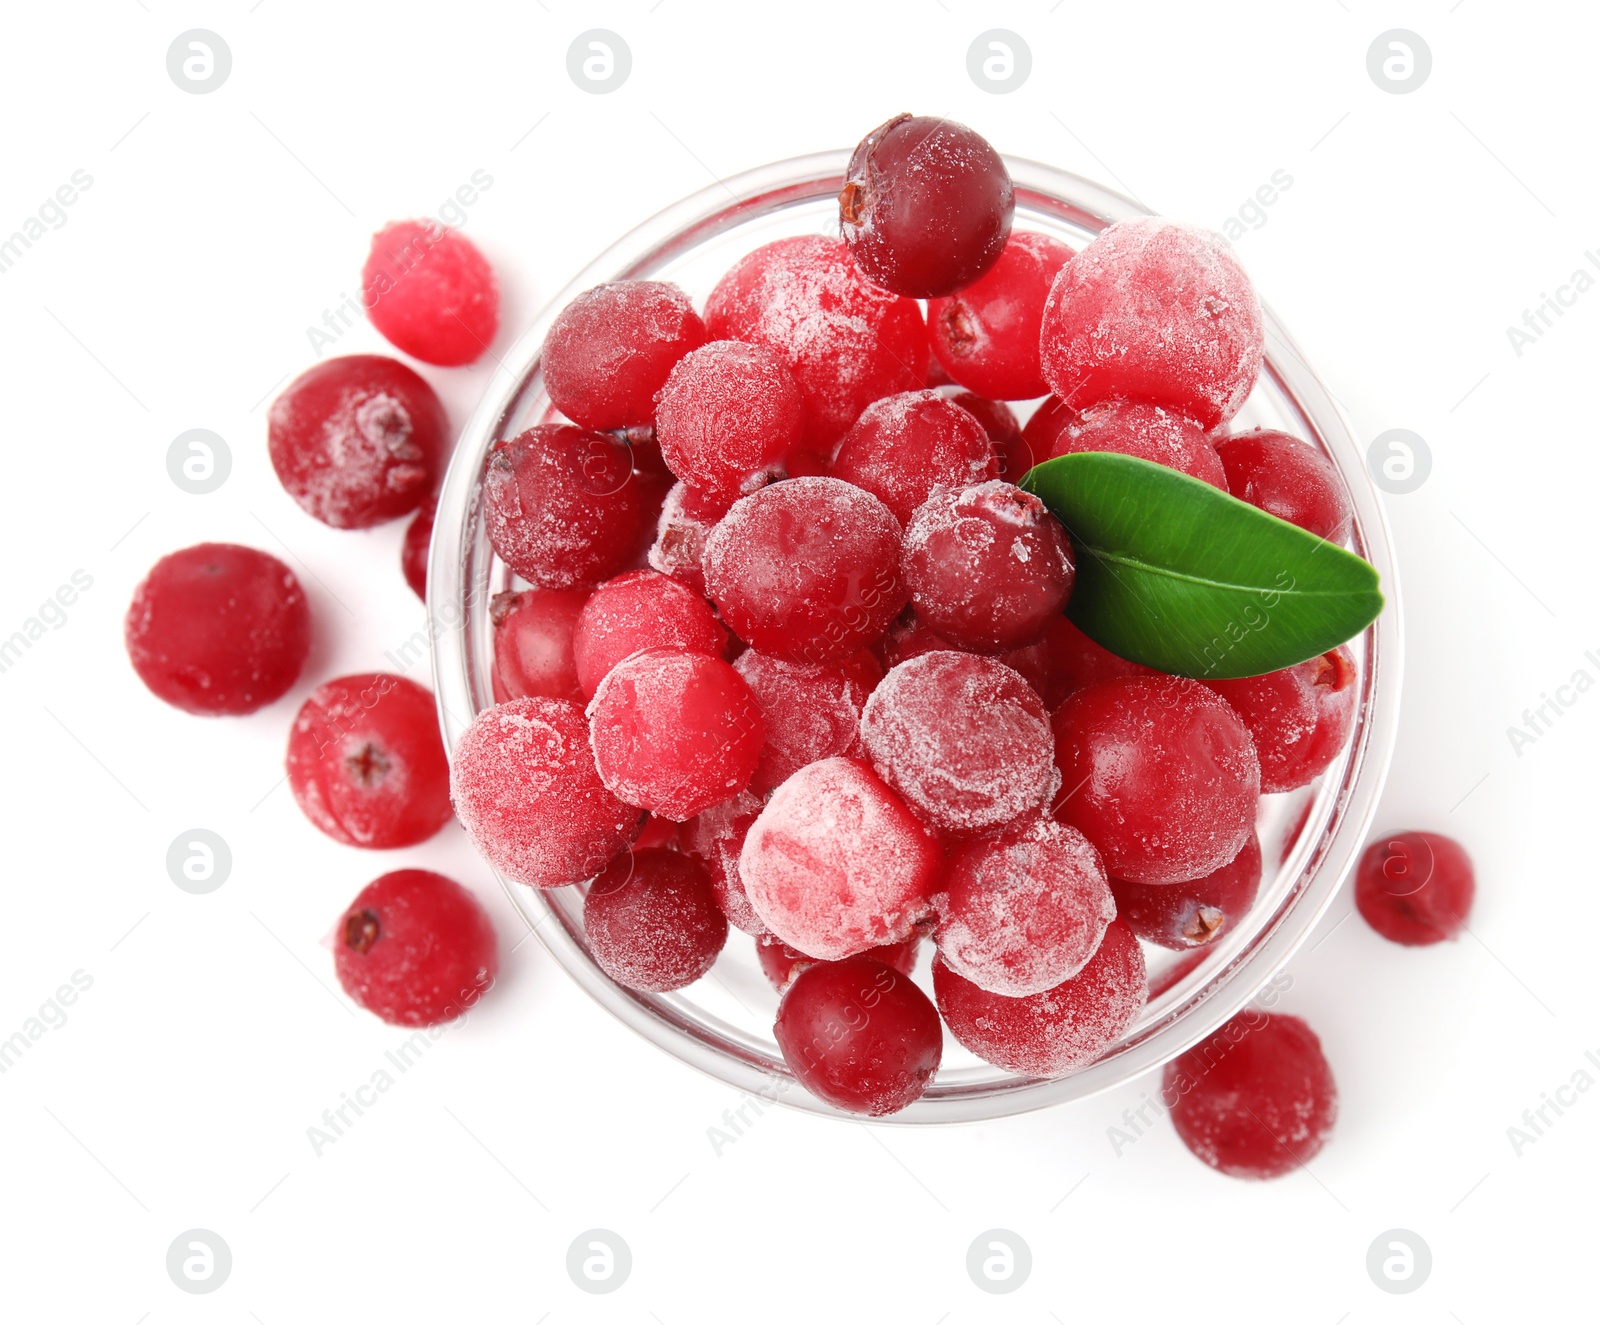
[177, 295]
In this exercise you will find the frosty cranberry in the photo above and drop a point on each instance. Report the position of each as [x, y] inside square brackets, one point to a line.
[926, 206]
[218, 628]
[1005, 434]
[526, 790]
[846, 342]
[1300, 717]
[414, 549]
[1155, 311]
[964, 739]
[905, 446]
[908, 637]
[807, 570]
[1160, 774]
[1051, 1033]
[835, 863]
[611, 348]
[357, 440]
[812, 710]
[988, 567]
[1287, 478]
[987, 335]
[1024, 909]
[366, 764]
[1076, 661]
[680, 540]
[715, 837]
[640, 610]
[1256, 1099]
[1188, 915]
[562, 506]
[430, 292]
[728, 416]
[533, 633]
[675, 731]
[415, 949]
[1415, 888]
[859, 1036]
[653, 922]
[1146, 432]
[780, 963]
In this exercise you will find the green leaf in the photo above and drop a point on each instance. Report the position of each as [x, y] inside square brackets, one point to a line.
[1177, 575]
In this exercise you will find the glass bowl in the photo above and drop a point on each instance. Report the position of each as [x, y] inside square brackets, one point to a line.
[723, 1024]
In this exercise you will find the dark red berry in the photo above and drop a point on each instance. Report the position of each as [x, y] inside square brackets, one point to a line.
[905, 446]
[533, 653]
[641, 609]
[414, 549]
[780, 963]
[431, 293]
[715, 837]
[1299, 718]
[1287, 478]
[653, 922]
[812, 710]
[1415, 888]
[1005, 434]
[1188, 915]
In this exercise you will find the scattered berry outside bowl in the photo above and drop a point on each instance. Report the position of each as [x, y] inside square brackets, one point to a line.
[1310, 838]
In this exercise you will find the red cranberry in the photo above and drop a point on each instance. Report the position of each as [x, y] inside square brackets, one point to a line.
[1256, 1099]
[1195, 342]
[357, 440]
[562, 506]
[780, 963]
[640, 610]
[218, 628]
[715, 837]
[1005, 433]
[430, 292]
[987, 335]
[1287, 478]
[680, 539]
[859, 1036]
[904, 447]
[1415, 888]
[533, 652]
[1146, 432]
[414, 548]
[846, 342]
[807, 570]
[1076, 661]
[611, 348]
[675, 732]
[1188, 915]
[415, 949]
[1160, 774]
[926, 206]
[526, 790]
[1299, 718]
[1049, 1034]
[909, 637]
[366, 762]
[653, 922]
[812, 710]
[658, 833]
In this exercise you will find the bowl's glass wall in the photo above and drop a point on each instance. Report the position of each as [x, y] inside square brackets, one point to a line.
[722, 1024]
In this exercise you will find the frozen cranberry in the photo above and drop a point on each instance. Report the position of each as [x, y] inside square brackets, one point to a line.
[526, 790]
[218, 628]
[640, 610]
[908, 637]
[533, 633]
[611, 348]
[1156, 311]
[1256, 1099]
[728, 416]
[415, 949]
[859, 1036]
[357, 440]
[562, 505]
[1146, 432]
[1287, 478]
[1050, 1033]
[1005, 433]
[845, 341]
[716, 836]
[1077, 661]
[905, 446]
[926, 206]
[780, 963]
[680, 541]
[430, 292]
[964, 739]
[1415, 888]
[658, 832]
[808, 569]
[1191, 914]
[1024, 909]
[653, 922]
[675, 731]
[988, 567]
[987, 335]
[812, 710]
[1299, 718]
[835, 863]
[1159, 774]
[366, 763]
[414, 549]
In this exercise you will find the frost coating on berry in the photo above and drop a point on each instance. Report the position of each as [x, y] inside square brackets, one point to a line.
[1155, 311]
[812, 710]
[905, 446]
[1147, 432]
[964, 739]
[653, 922]
[430, 292]
[642, 609]
[715, 837]
[835, 863]
[527, 792]
[680, 542]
